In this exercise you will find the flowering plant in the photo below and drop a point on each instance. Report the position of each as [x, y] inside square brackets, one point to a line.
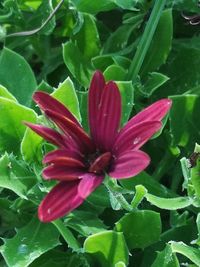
[81, 161]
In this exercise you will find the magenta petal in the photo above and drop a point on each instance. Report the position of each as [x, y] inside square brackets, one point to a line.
[134, 137]
[61, 155]
[70, 128]
[49, 134]
[89, 182]
[46, 101]
[95, 93]
[129, 164]
[101, 163]
[62, 199]
[154, 112]
[109, 116]
[62, 173]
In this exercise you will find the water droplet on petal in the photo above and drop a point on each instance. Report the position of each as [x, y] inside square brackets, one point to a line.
[49, 211]
[136, 140]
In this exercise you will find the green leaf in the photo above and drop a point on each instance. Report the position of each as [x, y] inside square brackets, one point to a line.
[12, 128]
[95, 7]
[115, 73]
[161, 44]
[195, 171]
[166, 258]
[140, 228]
[198, 227]
[109, 248]
[148, 182]
[66, 94]
[17, 76]
[40, 15]
[169, 203]
[191, 253]
[29, 243]
[78, 54]
[127, 93]
[31, 147]
[184, 111]
[76, 63]
[154, 81]
[6, 94]
[13, 176]
[84, 222]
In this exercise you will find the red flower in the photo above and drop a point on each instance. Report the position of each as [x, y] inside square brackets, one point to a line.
[81, 161]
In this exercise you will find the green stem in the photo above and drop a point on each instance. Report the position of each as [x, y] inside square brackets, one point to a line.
[145, 40]
[123, 202]
[67, 235]
[140, 192]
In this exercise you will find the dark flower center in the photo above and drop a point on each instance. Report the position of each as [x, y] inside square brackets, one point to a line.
[98, 163]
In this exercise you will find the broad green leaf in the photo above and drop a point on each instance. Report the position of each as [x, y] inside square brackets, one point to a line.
[120, 264]
[189, 252]
[140, 228]
[109, 248]
[115, 73]
[127, 94]
[14, 176]
[78, 54]
[31, 147]
[184, 111]
[84, 222]
[76, 63]
[83, 103]
[29, 243]
[12, 128]
[166, 258]
[169, 203]
[95, 7]
[66, 94]
[17, 76]
[154, 81]
[161, 44]
[148, 182]
[6, 94]
[183, 77]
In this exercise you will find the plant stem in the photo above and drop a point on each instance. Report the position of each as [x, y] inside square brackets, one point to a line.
[145, 40]
[140, 192]
[67, 235]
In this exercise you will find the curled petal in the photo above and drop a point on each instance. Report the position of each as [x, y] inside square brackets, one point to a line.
[62, 199]
[129, 164]
[50, 135]
[136, 136]
[109, 115]
[62, 173]
[95, 93]
[46, 101]
[88, 183]
[154, 112]
[101, 163]
[70, 128]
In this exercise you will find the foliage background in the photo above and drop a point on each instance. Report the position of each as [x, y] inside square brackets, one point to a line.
[163, 229]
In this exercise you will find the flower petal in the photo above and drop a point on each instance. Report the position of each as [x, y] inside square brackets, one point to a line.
[62, 199]
[154, 112]
[69, 127]
[136, 136]
[88, 183]
[61, 155]
[129, 164]
[46, 101]
[101, 163]
[95, 93]
[62, 173]
[50, 135]
[109, 115]
[62, 160]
